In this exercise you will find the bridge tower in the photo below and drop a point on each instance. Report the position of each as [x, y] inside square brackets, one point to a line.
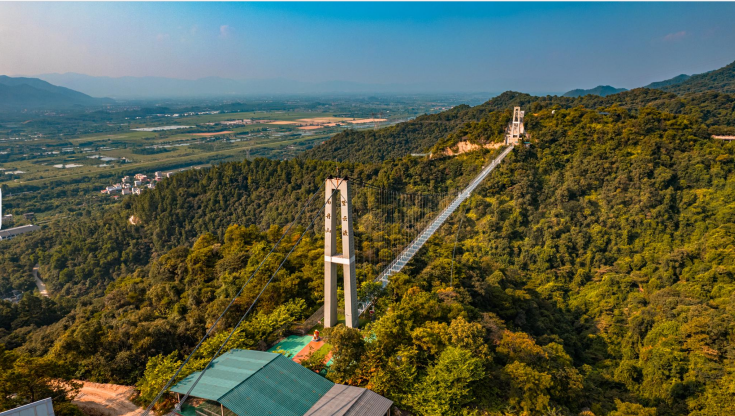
[516, 129]
[332, 259]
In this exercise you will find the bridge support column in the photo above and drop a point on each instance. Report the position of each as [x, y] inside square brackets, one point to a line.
[332, 260]
[516, 129]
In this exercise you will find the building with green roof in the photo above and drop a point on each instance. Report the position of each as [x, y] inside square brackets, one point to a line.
[257, 383]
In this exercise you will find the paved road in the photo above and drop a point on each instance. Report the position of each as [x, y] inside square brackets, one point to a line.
[41, 286]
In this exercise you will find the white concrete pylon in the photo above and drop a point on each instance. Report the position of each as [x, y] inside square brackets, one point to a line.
[332, 259]
[516, 128]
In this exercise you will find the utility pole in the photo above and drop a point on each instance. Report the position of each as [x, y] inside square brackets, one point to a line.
[332, 259]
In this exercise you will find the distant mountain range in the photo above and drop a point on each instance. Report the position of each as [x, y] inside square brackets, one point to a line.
[71, 89]
[601, 90]
[19, 93]
[161, 87]
[720, 80]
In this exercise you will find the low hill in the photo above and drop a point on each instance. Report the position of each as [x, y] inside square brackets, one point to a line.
[414, 136]
[671, 81]
[601, 90]
[719, 80]
[431, 132]
[20, 92]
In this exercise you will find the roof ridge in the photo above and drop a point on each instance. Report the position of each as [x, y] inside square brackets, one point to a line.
[275, 356]
[357, 399]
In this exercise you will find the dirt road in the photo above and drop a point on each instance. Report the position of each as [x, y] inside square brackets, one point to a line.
[41, 286]
[97, 399]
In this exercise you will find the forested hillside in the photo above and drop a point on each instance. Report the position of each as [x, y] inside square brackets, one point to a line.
[414, 136]
[425, 132]
[595, 271]
[671, 81]
[395, 141]
[720, 80]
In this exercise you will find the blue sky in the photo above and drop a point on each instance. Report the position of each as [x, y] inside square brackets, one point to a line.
[489, 47]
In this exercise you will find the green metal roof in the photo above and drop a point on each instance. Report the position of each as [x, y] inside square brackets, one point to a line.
[258, 383]
[226, 372]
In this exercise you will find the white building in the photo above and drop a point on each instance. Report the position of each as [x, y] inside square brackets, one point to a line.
[43, 407]
[9, 233]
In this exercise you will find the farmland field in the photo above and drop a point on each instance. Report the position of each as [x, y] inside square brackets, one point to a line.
[55, 164]
[121, 151]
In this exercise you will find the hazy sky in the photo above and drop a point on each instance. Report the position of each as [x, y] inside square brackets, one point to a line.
[533, 47]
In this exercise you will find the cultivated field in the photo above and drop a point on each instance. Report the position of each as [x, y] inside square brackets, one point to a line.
[94, 148]
[207, 141]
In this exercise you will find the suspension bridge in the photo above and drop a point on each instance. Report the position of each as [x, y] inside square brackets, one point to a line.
[407, 254]
[378, 229]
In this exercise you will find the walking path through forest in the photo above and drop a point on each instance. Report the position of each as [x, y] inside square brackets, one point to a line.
[41, 286]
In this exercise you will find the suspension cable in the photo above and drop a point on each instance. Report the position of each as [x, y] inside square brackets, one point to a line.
[242, 288]
[229, 336]
[367, 185]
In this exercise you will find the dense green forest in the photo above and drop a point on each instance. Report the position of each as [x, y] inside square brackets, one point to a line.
[424, 133]
[609, 243]
[594, 271]
[722, 80]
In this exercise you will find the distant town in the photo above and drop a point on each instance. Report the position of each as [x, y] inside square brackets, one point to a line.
[136, 184]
